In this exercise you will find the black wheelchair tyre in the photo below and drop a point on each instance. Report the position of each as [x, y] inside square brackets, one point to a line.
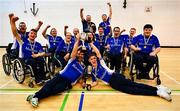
[6, 62]
[19, 70]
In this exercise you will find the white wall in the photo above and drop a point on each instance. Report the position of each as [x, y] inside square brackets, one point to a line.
[165, 16]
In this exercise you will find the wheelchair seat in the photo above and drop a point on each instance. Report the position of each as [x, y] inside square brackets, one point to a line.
[155, 70]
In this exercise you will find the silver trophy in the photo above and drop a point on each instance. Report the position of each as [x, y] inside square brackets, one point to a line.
[83, 38]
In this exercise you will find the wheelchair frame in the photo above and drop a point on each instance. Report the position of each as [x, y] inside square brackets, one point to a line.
[155, 70]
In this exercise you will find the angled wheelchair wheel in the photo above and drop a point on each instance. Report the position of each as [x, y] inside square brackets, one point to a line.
[156, 72]
[6, 62]
[51, 66]
[19, 70]
[131, 68]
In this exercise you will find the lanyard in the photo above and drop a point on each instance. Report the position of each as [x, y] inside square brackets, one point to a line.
[54, 40]
[146, 41]
[32, 46]
[116, 42]
[130, 39]
[67, 47]
[100, 39]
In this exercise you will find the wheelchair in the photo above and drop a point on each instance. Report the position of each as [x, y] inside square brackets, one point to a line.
[21, 70]
[106, 58]
[155, 70]
[107, 61]
[8, 58]
[53, 63]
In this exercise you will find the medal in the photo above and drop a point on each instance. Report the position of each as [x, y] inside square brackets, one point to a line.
[146, 41]
[32, 46]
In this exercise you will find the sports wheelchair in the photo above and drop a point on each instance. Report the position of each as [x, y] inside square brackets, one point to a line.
[21, 70]
[155, 69]
[107, 61]
[8, 58]
[53, 63]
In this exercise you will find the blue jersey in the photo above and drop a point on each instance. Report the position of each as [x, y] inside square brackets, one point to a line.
[73, 70]
[29, 48]
[128, 41]
[24, 38]
[146, 45]
[88, 47]
[101, 40]
[65, 47]
[102, 71]
[106, 26]
[54, 41]
[73, 39]
[116, 45]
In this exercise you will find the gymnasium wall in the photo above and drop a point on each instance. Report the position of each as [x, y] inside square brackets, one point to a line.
[164, 16]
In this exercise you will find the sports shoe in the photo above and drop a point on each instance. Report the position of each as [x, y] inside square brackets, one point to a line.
[29, 97]
[161, 87]
[164, 95]
[34, 102]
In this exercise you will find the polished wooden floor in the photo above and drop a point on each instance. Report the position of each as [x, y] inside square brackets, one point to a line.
[101, 98]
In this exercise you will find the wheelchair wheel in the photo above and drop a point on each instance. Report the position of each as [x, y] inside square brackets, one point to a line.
[18, 69]
[51, 68]
[131, 67]
[6, 64]
[155, 70]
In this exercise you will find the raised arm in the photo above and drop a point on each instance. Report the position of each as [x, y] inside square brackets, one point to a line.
[75, 49]
[39, 25]
[13, 19]
[122, 31]
[44, 31]
[81, 14]
[95, 49]
[110, 9]
[65, 30]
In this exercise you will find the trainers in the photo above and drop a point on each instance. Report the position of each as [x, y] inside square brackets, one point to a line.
[34, 102]
[29, 97]
[161, 87]
[164, 95]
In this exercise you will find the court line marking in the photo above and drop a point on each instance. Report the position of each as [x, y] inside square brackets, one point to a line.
[81, 101]
[73, 90]
[79, 93]
[64, 101]
[6, 83]
[171, 78]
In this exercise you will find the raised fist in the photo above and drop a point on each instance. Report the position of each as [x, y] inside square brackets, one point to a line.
[81, 9]
[65, 26]
[40, 22]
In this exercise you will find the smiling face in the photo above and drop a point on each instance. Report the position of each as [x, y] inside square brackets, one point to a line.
[68, 37]
[100, 30]
[132, 32]
[147, 32]
[104, 17]
[53, 32]
[91, 36]
[116, 31]
[93, 60]
[88, 18]
[32, 34]
[80, 56]
[22, 27]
